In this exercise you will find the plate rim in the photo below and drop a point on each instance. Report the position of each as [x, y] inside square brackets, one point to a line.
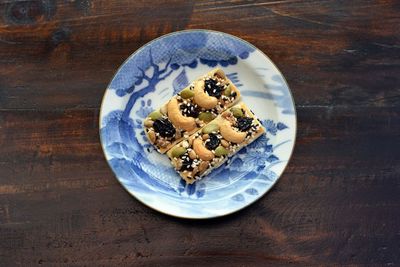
[216, 215]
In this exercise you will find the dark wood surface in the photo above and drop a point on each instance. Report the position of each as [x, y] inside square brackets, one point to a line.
[338, 202]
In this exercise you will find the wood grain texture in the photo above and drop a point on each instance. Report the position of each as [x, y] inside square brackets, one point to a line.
[336, 204]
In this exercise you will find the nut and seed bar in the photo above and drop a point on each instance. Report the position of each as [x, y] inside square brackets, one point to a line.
[188, 111]
[211, 146]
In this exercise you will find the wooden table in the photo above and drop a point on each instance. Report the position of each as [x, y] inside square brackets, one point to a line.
[338, 202]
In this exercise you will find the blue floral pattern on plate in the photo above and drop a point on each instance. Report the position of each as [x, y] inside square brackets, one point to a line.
[159, 70]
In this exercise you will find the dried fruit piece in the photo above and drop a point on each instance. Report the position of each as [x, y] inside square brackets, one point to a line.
[213, 142]
[244, 124]
[213, 88]
[190, 110]
[164, 127]
[186, 164]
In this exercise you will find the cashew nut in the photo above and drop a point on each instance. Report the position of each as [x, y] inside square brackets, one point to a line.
[176, 117]
[201, 150]
[231, 134]
[201, 98]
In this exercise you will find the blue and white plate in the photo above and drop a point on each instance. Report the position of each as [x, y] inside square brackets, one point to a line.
[159, 70]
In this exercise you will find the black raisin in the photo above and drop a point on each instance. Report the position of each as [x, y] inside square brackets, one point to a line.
[234, 94]
[213, 143]
[244, 123]
[190, 110]
[164, 127]
[186, 164]
[213, 89]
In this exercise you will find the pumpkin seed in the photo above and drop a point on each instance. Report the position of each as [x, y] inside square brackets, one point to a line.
[210, 128]
[206, 116]
[186, 93]
[227, 91]
[237, 112]
[178, 151]
[221, 151]
[155, 115]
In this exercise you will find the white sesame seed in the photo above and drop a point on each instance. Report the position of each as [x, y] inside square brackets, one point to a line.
[185, 144]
